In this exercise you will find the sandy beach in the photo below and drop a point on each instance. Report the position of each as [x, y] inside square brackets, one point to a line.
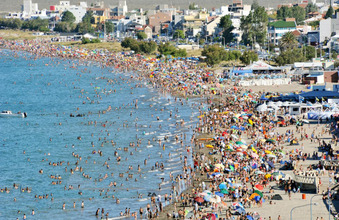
[237, 152]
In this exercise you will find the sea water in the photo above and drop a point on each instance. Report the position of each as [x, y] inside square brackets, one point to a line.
[50, 90]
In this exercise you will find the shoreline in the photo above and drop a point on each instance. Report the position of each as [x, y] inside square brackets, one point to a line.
[214, 124]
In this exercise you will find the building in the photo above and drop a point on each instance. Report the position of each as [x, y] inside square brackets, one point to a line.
[194, 22]
[158, 19]
[121, 9]
[278, 29]
[78, 11]
[29, 8]
[328, 27]
[211, 26]
[148, 32]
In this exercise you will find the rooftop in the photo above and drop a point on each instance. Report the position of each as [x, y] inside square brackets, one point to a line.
[282, 24]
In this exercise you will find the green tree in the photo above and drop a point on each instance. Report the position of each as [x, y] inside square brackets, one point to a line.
[255, 5]
[179, 34]
[214, 54]
[169, 49]
[329, 12]
[299, 14]
[314, 24]
[141, 35]
[249, 56]
[310, 8]
[88, 18]
[225, 22]
[284, 12]
[290, 56]
[226, 25]
[148, 47]
[16, 23]
[254, 26]
[84, 27]
[64, 27]
[109, 27]
[85, 40]
[68, 16]
[131, 43]
[35, 24]
[288, 41]
[309, 52]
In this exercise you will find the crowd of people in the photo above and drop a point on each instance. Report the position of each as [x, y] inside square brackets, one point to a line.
[237, 151]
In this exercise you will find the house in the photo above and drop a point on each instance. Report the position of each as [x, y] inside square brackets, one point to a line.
[194, 21]
[148, 32]
[211, 26]
[156, 20]
[278, 29]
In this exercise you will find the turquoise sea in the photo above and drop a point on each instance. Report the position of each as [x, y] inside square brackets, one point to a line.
[50, 90]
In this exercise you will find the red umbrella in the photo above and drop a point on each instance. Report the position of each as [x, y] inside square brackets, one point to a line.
[199, 199]
[260, 187]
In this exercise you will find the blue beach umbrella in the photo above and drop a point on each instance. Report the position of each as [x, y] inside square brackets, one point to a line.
[219, 194]
[223, 186]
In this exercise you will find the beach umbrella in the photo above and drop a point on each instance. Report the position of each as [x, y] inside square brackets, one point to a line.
[254, 150]
[270, 164]
[219, 194]
[259, 172]
[268, 152]
[222, 186]
[224, 191]
[199, 199]
[244, 146]
[253, 195]
[241, 210]
[207, 198]
[211, 216]
[254, 155]
[234, 136]
[270, 141]
[259, 193]
[267, 176]
[260, 187]
[202, 194]
[209, 146]
[239, 143]
[220, 166]
[249, 217]
[217, 174]
[257, 198]
[208, 192]
[237, 185]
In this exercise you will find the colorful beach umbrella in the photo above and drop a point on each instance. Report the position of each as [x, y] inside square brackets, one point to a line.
[260, 187]
[259, 193]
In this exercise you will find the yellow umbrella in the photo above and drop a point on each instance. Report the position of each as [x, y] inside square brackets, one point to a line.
[209, 146]
[250, 121]
[267, 176]
[254, 150]
[268, 152]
